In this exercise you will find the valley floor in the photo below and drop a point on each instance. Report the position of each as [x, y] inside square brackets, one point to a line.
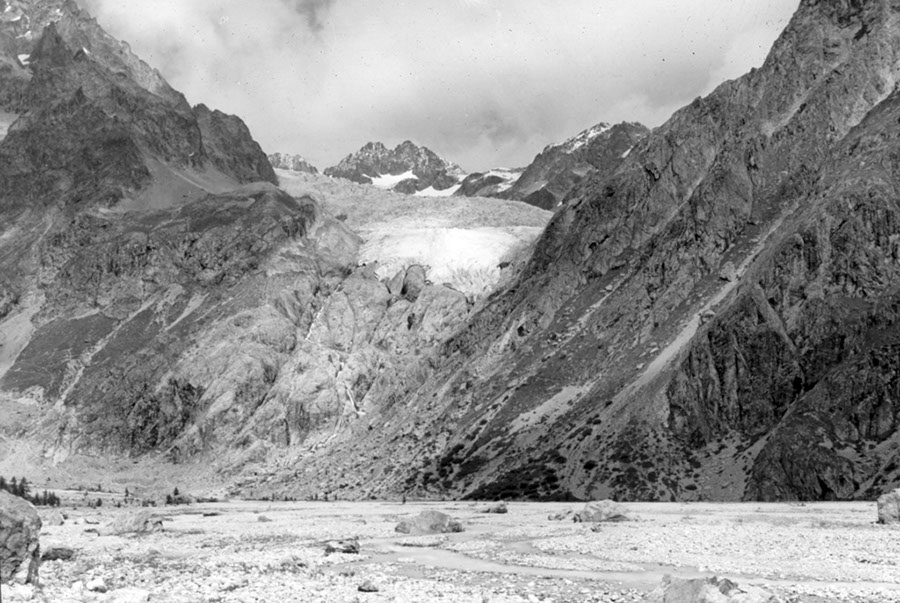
[259, 551]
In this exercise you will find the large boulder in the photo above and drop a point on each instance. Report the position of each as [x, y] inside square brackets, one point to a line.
[140, 522]
[602, 510]
[707, 590]
[429, 522]
[20, 551]
[53, 518]
[413, 282]
[889, 507]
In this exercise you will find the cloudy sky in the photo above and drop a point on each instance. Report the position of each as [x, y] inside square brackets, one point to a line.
[482, 82]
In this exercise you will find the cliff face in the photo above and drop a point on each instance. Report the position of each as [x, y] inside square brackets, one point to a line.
[716, 319]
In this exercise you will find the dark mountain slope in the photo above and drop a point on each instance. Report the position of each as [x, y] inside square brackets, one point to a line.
[714, 320]
[558, 168]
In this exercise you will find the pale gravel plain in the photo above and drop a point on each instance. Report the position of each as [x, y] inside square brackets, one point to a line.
[808, 553]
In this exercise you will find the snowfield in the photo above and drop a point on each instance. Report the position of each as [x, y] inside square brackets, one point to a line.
[461, 241]
[389, 181]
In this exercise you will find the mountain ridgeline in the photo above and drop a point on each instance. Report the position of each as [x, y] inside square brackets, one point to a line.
[712, 313]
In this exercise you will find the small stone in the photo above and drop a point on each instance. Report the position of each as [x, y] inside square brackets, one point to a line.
[349, 547]
[889, 507]
[367, 587]
[500, 507]
[263, 519]
[97, 585]
[128, 595]
[17, 592]
[58, 553]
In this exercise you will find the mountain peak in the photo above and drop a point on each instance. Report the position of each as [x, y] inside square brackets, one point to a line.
[408, 168]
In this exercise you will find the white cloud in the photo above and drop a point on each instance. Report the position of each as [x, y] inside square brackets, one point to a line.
[483, 82]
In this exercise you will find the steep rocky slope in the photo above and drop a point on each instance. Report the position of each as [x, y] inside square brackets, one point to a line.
[716, 319]
[407, 168]
[556, 170]
[492, 183]
[160, 298]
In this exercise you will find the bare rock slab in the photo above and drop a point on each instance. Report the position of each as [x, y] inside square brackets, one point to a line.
[20, 551]
[889, 508]
[429, 522]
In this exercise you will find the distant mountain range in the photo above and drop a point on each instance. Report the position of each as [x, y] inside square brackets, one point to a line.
[545, 182]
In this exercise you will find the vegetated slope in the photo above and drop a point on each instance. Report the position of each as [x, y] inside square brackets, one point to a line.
[717, 319]
[159, 296]
[407, 168]
[468, 243]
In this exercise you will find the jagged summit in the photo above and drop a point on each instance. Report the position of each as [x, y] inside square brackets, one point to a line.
[407, 168]
[85, 102]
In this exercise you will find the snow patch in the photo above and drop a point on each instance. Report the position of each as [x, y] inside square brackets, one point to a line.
[24, 59]
[389, 181]
[627, 153]
[433, 192]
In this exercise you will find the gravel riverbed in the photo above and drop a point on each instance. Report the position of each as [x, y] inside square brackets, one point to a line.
[262, 552]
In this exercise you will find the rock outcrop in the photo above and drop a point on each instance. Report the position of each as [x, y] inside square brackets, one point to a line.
[294, 163]
[407, 168]
[493, 183]
[555, 171]
[20, 551]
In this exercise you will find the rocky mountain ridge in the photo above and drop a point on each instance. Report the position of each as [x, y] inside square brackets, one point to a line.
[295, 163]
[557, 169]
[407, 168]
